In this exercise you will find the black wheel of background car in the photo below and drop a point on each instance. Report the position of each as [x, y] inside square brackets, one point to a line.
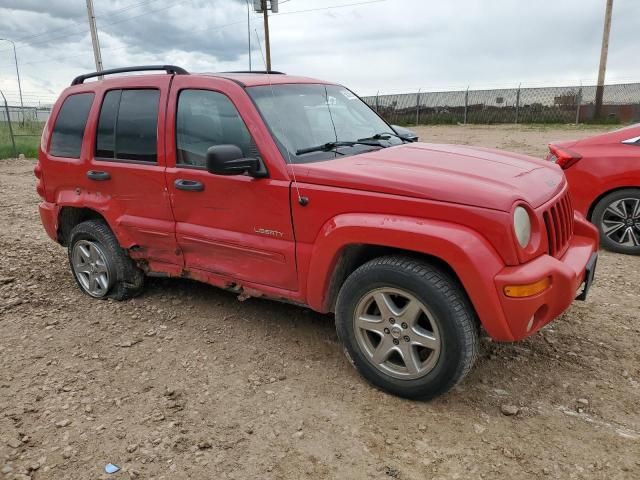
[407, 326]
[617, 216]
[100, 266]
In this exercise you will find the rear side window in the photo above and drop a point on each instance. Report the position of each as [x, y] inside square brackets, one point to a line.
[66, 139]
[128, 125]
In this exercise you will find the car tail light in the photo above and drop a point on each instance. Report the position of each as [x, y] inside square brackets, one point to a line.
[563, 157]
[37, 171]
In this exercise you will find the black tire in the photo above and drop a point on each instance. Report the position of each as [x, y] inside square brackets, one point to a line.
[441, 294]
[602, 216]
[127, 280]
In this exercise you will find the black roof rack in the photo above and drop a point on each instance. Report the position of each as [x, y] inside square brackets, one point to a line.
[142, 68]
[270, 72]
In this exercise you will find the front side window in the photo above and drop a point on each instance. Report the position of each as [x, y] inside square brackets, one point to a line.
[66, 139]
[128, 125]
[204, 119]
[303, 116]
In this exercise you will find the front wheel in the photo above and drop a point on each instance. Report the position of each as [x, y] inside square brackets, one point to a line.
[617, 216]
[407, 326]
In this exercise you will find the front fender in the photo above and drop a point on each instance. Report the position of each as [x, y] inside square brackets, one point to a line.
[468, 253]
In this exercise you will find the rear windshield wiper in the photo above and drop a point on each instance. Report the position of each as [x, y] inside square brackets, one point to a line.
[327, 147]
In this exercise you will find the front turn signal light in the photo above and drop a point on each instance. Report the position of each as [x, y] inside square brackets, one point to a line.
[519, 291]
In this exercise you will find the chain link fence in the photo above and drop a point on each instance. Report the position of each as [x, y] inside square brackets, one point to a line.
[20, 129]
[25, 114]
[621, 104]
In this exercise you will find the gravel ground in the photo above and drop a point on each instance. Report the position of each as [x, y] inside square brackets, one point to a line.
[187, 382]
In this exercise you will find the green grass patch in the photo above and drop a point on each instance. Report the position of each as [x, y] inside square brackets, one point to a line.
[27, 138]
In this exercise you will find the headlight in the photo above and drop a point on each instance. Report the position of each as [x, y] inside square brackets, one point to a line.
[522, 226]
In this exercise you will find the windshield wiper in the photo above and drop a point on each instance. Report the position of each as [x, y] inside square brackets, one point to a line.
[327, 147]
[384, 136]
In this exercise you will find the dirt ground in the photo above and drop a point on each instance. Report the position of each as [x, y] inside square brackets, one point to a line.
[187, 382]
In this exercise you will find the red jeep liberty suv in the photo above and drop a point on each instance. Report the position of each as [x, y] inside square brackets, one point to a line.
[294, 189]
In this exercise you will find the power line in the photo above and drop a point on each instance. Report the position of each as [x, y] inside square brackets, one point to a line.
[127, 19]
[81, 23]
[124, 9]
[130, 7]
[57, 59]
[49, 60]
[329, 7]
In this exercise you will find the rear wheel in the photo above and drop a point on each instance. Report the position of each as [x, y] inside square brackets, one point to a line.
[617, 216]
[100, 266]
[407, 326]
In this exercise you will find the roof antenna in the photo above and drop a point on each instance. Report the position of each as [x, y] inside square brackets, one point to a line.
[301, 200]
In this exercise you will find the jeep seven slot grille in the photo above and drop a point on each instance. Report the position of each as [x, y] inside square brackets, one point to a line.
[558, 220]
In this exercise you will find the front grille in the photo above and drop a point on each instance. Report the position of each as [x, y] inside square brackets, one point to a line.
[558, 220]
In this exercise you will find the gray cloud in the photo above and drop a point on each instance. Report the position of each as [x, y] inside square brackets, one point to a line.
[52, 8]
[391, 46]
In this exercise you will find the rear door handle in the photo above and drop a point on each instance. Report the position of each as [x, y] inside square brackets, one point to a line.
[189, 185]
[98, 176]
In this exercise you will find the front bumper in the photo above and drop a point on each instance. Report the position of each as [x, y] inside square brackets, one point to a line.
[575, 269]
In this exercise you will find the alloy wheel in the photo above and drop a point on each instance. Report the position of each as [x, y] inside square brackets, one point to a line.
[621, 222]
[397, 333]
[91, 268]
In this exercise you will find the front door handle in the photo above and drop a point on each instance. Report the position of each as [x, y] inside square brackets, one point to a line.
[98, 176]
[189, 185]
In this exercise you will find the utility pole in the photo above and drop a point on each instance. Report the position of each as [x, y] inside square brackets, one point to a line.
[94, 37]
[249, 33]
[267, 43]
[603, 60]
[263, 6]
[15, 58]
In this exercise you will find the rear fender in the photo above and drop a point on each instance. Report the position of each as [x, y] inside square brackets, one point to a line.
[468, 253]
[101, 204]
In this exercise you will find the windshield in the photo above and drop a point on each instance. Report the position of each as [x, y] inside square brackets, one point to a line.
[302, 116]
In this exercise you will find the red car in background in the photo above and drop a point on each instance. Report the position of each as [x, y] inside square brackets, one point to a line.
[604, 182]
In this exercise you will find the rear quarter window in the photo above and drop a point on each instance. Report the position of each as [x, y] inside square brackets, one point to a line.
[68, 131]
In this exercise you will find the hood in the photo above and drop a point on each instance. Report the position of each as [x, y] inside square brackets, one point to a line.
[476, 176]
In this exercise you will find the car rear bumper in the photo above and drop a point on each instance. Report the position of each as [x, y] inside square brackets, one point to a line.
[570, 278]
[49, 218]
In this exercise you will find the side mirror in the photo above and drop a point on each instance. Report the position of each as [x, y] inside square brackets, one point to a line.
[405, 133]
[229, 160]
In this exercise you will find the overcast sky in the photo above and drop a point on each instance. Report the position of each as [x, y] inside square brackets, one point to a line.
[390, 46]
